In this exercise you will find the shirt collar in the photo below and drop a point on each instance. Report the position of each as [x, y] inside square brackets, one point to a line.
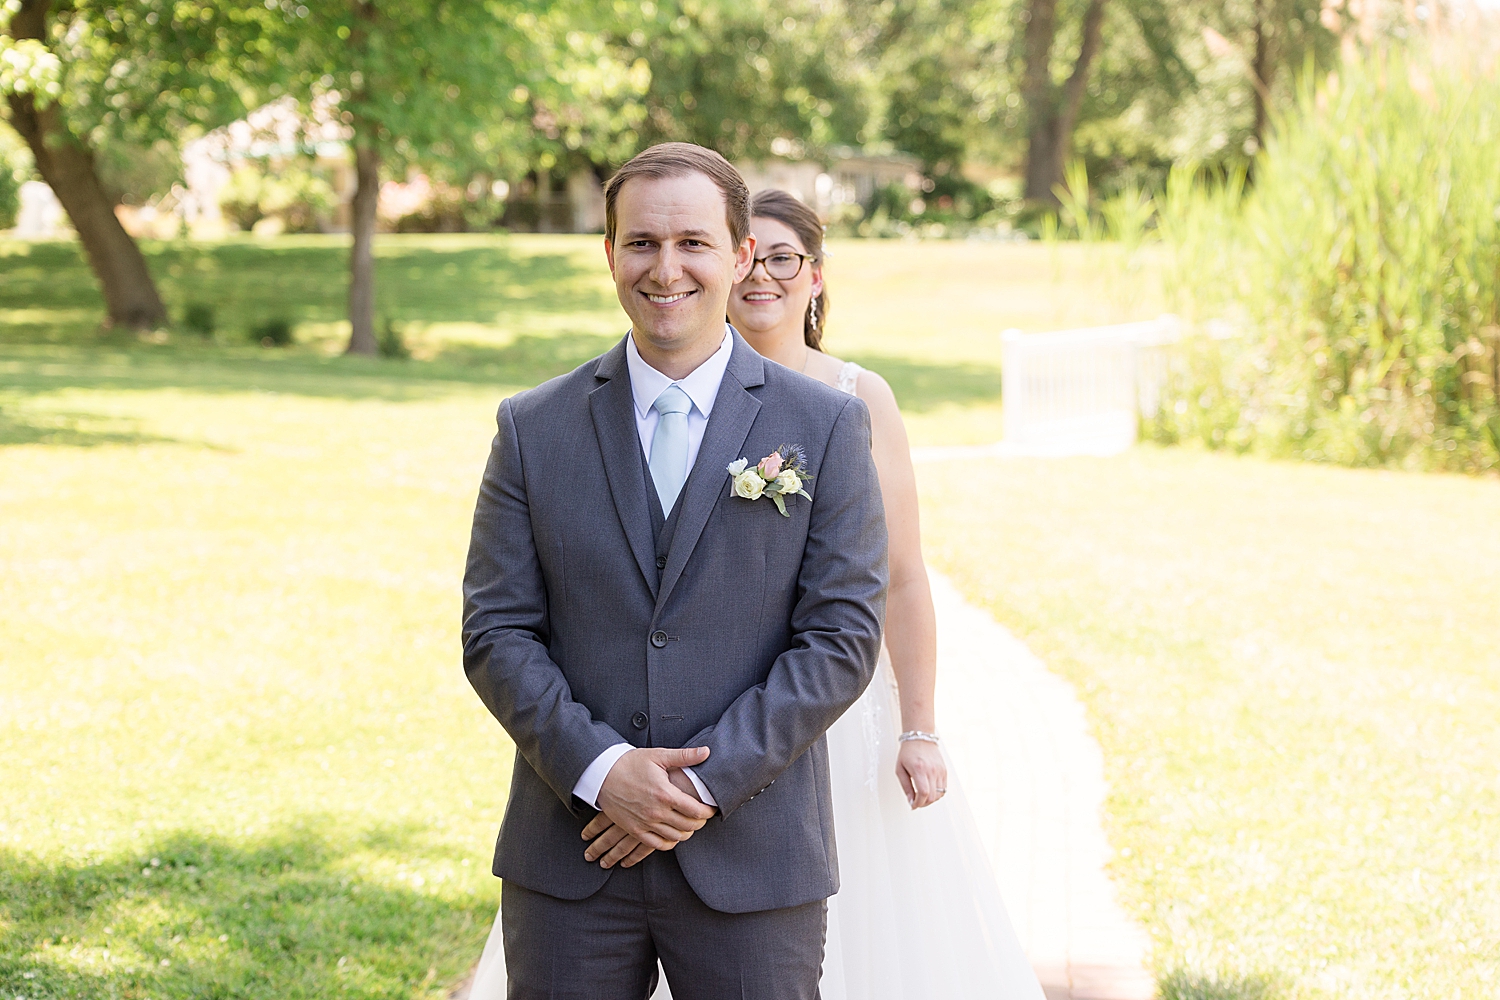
[701, 384]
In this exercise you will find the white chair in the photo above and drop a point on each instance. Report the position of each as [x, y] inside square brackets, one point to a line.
[1083, 392]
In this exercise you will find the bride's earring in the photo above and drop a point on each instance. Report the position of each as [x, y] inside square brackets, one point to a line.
[812, 313]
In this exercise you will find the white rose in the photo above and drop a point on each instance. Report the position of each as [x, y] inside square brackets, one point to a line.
[788, 482]
[737, 466]
[749, 485]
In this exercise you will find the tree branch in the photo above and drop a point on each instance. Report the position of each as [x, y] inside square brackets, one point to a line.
[30, 21]
[1073, 90]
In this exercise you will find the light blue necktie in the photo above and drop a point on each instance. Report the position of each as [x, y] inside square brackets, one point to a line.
[669, 447]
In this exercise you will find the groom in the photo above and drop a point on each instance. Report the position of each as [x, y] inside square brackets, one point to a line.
[665, 652]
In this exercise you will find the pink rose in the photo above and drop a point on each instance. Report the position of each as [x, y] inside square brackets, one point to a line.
[770, 466]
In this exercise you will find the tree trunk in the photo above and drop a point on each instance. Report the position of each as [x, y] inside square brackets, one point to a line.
[1261, 70]
[362, 256]
[67, 166]
[1054, 112]
[366, 198]
[1037, 92]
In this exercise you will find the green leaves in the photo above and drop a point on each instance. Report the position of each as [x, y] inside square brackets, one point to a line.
[27, 67]
[745, 76]
[138, 72]
[1365, 270]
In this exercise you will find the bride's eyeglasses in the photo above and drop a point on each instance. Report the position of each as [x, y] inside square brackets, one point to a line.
[782, 265]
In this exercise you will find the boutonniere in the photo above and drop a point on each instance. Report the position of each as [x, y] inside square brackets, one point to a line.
[778, 476]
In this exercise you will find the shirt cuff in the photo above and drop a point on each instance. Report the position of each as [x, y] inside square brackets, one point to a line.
[702, 789]
[593, 776]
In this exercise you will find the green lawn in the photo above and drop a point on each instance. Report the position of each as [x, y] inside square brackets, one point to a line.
[1294, 672]
[238, 757]
[235, 737]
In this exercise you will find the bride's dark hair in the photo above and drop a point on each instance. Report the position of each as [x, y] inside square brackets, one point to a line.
[787, 210]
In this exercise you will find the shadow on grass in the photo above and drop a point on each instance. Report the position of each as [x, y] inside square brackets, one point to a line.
[289, 916]
[36, 369]
[1184, 985]
[47, 293]
[920, 387]
[527, 361]
[76, 430]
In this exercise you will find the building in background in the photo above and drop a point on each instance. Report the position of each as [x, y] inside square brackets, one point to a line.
[555, 202]
[845, 176]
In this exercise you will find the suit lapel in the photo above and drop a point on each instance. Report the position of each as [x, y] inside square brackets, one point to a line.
[613, 411]
[728, 426]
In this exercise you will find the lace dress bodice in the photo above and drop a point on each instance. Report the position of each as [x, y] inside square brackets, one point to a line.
[848, 379]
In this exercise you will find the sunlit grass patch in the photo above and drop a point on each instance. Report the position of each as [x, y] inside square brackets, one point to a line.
[1294, 672]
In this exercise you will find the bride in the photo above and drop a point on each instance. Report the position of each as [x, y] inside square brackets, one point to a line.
[919, 916]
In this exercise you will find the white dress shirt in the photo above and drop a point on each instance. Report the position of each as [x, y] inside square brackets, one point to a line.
[701, 386]
[646, 383]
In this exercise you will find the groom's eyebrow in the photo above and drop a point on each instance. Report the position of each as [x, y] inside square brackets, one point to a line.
[685, 234]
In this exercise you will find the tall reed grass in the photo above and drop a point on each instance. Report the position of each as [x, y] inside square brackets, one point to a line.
[1361, 270]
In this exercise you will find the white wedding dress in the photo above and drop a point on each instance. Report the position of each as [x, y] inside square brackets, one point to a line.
[918, 915]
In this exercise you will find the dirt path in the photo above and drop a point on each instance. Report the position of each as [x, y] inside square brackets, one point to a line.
[1034, 777]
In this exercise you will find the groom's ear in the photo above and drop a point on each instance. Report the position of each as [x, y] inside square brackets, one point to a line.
[609, 255]
[744, 258]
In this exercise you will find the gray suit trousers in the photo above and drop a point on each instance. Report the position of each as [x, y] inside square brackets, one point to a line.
[606, 947]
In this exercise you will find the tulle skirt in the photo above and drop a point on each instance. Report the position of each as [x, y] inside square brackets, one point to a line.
[918, 915]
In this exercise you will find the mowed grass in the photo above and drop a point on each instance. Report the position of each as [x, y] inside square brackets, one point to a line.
[235, 737]
[1294, 672]
[237, 754]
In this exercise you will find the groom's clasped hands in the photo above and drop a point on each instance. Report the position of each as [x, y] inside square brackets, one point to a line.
[647, 803]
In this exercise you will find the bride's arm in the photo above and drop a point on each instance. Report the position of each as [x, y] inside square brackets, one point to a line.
[910, 623]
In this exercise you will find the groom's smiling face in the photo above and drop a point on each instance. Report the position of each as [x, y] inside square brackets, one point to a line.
[674, 261]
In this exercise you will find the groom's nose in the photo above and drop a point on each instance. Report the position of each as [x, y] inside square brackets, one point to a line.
[668, 266]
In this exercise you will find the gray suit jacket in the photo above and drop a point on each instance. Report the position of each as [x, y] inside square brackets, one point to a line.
[751, 637]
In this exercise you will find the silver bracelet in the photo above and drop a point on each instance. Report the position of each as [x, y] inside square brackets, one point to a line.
[917, 734]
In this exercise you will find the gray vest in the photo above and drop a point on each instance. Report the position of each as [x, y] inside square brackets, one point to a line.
[662, 528]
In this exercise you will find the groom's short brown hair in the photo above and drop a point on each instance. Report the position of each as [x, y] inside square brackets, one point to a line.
[673, 159]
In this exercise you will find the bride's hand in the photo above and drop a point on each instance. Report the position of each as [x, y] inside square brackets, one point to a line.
[922, 772]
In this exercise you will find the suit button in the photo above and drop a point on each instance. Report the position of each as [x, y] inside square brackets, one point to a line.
[658, 638]
[661, 562]
[639, 720]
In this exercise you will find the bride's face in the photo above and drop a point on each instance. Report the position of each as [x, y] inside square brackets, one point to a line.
[765, 305]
